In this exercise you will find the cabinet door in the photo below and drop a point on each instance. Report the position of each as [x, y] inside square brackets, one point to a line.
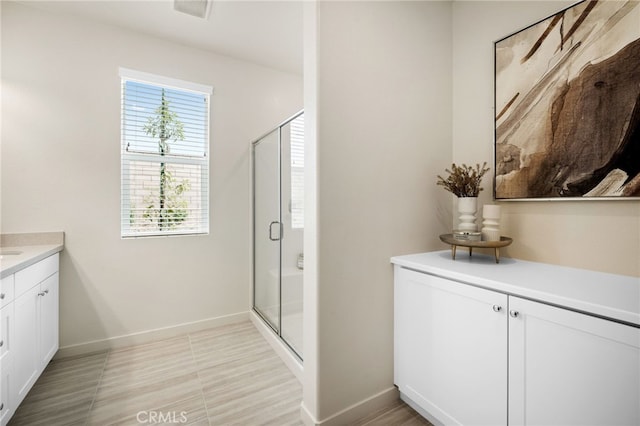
[6, 342]
[571, 369]
[451, 348]
[6, 403]
[26, 365]
[48, 300]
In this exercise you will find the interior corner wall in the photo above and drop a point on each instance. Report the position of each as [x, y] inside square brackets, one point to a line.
[61, 171]
[596, 235]
[383, 129]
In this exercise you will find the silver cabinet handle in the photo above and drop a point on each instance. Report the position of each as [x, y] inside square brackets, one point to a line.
[497, 308]
[42, 293]
[514, 314]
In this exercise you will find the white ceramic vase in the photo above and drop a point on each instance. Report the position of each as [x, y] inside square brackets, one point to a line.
[491, 222]
[467, 207]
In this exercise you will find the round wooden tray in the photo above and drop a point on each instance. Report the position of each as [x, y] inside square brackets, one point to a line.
[495, 245]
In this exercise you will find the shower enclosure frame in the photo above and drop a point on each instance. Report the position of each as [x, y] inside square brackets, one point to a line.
[276, 330]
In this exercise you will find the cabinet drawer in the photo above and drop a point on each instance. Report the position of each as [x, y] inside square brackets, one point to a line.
[6, 290]
[34, 274]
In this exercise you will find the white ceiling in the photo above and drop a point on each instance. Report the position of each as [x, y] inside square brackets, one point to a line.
[268, 33]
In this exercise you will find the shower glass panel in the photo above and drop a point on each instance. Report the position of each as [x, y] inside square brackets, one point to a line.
[292, 168]
[278, 194]
[267, 228]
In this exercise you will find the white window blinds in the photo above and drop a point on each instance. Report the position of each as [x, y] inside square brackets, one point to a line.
[165, 156]
[297, 172]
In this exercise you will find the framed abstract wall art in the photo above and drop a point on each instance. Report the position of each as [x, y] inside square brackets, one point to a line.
[567, 105]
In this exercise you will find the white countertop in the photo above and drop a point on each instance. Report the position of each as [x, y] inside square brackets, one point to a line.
[10, 264]
[33, 247]
[608, 295]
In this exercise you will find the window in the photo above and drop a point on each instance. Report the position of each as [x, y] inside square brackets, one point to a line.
[297, 172]
[165, 156]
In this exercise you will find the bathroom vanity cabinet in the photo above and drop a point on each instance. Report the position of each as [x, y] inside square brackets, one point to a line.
[6, 331]
[515, 343]
[29, 324]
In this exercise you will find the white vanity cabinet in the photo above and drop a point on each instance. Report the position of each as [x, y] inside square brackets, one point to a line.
[6, 344]
[35, 323]
[471, 348]
[29, 331]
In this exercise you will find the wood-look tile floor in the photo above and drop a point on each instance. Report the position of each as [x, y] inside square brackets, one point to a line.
[226, 375]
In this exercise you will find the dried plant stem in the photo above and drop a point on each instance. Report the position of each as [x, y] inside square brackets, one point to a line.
[464, 181]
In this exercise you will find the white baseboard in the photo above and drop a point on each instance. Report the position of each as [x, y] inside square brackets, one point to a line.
[290, 360]
[354, 412]
[306, 416]
[148, 336]
[424, 413]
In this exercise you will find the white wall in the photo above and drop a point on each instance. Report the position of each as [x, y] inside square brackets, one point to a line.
[380, 112]
[61, 171]
[597, 235]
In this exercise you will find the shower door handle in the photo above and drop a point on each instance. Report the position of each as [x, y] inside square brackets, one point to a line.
[279, 236]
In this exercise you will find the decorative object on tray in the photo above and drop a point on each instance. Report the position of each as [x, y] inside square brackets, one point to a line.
[491, 222]
[495, 245]
[567, 93]
[464, 182]
[467, 208]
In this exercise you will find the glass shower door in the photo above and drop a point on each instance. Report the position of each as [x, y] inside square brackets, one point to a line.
[267, 228]
[292, 212]
[278, 230]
